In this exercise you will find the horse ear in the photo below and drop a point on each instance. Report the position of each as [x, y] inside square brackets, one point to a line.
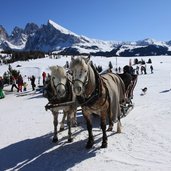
[51, 68]
[72, 58]
[65, 66]
[87, 59]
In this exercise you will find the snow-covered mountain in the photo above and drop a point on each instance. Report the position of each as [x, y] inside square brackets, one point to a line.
[18, 38]
[53, 37]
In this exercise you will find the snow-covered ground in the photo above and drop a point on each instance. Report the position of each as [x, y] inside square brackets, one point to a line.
[144, 144]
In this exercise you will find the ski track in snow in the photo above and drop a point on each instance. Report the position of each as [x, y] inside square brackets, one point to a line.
[144, 144]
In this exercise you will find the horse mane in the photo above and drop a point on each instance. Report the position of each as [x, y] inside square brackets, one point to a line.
[57, 70]
[80, 61]
[97, 93]
[49, 90]
[76, 61]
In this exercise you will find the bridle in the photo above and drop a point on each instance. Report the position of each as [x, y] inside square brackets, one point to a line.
[96, 94]
[84, 83]
[55, 101]
[55, 86]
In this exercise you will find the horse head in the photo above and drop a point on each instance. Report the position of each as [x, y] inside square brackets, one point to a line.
[58, 80]
[79, 67]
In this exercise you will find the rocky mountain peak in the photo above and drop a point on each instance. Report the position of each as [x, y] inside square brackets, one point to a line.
[60, 28]
[53, 37]
[3, 33]
[31, 28]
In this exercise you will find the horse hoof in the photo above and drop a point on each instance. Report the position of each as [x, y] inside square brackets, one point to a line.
[70, 140]
[89, 145]
[54, 140]
[109, 129]
[74, 125]
[61, 129]
[104, 145]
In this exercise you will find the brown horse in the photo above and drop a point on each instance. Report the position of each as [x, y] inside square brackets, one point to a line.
[58, 89]
[99, 94]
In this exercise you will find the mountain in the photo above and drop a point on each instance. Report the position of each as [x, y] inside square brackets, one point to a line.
[55, 38]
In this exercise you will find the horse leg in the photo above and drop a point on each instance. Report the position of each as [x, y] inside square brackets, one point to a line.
[74, 118]
[110, 117]
[63, 121]
[55, 123]
[90, 134]
[119, 125]
[70, 139]
[103, 127]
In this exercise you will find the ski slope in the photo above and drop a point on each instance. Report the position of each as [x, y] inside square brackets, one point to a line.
[144, 144]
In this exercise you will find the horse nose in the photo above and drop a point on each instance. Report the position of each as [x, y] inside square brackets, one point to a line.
[77, 90]
[61, 93]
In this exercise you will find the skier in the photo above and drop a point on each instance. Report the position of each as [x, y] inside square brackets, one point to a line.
[14, 84]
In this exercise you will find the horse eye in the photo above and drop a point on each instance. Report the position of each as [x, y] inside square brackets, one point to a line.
[53, 78]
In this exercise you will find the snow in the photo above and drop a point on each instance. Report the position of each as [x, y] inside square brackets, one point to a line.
[85, 41]
[60, 28]
[144, 144]
[149, 41]
[19, 47]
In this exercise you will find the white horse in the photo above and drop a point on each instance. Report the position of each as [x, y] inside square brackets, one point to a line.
[99, 94]
[58, 89]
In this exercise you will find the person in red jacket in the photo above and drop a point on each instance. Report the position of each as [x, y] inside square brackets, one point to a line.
[20, 83]
[44, 77]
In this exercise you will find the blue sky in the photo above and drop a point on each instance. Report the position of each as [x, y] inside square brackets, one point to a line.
[121, 20]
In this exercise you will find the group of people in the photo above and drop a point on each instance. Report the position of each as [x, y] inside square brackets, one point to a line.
[21, 85]
[17, 83]
[143, 69]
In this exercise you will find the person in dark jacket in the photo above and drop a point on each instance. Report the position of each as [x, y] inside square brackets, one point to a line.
[1, 88]
[130, 80]
[127, 76]
[151, 68]
[32, 79]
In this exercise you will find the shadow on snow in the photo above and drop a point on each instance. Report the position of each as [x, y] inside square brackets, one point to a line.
[41, 154]
[165, 91]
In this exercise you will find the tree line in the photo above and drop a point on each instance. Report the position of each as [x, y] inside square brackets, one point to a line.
[21, 56]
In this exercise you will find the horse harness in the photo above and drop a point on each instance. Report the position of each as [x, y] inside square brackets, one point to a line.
[96, 94]
[54, 101]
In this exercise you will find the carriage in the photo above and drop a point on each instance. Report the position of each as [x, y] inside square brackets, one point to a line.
[103, 94]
